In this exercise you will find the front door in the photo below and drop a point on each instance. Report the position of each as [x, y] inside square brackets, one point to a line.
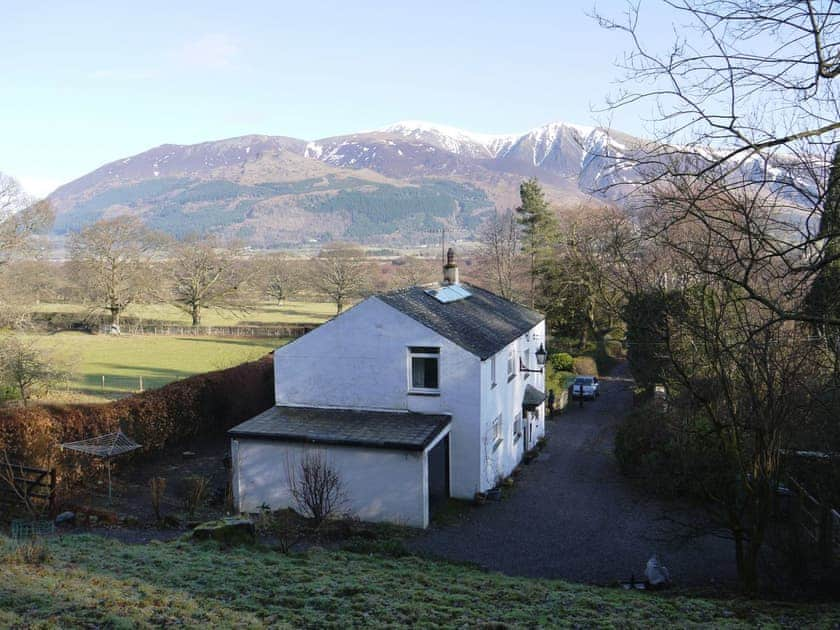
[438, 471]
[526, 430]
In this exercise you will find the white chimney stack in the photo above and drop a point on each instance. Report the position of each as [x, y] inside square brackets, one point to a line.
[450, 269]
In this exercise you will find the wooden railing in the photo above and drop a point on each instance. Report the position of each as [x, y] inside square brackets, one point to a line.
[819, 523]
[25, 486]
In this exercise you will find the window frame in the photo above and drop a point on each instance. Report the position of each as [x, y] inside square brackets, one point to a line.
[496, 428]
[493, 371]
[517, 427]
[422, 352]
[511, 364]
[527, 362]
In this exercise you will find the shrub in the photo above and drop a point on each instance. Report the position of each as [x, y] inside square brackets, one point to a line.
[157, 486]
[284, 527]
[158, 419]
[562, 362]
[33, 551]
[195, 493]
[585, 365]
[316, 487]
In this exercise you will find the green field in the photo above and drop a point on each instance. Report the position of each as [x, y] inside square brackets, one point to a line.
[265, 313]
[97, 582]
[125, 359]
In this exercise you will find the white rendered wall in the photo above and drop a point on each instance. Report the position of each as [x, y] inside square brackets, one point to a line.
[506, 399]
[359, 360]
[380, 485]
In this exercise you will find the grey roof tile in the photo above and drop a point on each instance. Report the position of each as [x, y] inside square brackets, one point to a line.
[350, 427]
[482, 324]
[532, 397]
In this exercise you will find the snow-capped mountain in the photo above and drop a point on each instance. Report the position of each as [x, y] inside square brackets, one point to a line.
[387, 185]
[572, 156]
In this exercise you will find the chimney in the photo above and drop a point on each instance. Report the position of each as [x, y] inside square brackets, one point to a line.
[450, 269]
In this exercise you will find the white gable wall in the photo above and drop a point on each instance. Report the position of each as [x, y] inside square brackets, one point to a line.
[379, 485]
[360, 361]
[505, 398]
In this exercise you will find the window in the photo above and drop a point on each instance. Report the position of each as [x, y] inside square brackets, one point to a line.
[511, 364]
[517, 427]
[496, 431]
[492, 372]
[527, 362]
[424, 374]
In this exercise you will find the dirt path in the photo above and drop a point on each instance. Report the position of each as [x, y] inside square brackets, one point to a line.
[572, 514]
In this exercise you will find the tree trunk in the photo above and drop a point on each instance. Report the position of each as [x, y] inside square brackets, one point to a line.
[339, 305]
[115, 316]
[196, 315]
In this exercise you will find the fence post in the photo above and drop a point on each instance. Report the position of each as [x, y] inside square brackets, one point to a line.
[826, 537]
[52, 492]
[798, 561]
[141, 382]
[103, 382]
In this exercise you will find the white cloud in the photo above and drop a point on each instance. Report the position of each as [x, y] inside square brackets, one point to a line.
[213, 51]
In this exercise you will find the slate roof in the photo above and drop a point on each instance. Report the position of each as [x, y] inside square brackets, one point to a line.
[348, 427]
[533, 397]
[481, 324]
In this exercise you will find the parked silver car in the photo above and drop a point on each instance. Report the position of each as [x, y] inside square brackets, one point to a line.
[585, 387]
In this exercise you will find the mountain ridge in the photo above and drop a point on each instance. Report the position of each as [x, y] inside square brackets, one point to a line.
[392, 185]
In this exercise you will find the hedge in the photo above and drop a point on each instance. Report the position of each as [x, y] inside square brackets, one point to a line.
[206, 405]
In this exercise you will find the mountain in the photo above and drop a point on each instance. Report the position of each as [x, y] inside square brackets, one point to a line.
[394, 185]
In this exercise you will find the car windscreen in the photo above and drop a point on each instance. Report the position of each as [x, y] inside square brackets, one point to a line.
[583, 381]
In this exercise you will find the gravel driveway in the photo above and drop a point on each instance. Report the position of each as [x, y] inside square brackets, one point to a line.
[572, 515]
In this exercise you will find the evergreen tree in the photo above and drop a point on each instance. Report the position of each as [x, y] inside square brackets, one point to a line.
[823, 299]
[539, 228]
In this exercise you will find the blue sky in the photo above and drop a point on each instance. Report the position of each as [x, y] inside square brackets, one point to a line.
[85, 83]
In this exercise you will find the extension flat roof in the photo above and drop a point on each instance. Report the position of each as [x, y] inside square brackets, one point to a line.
[345, 427]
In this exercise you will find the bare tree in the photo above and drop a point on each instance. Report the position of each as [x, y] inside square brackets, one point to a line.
[340, 271]
[20, 218]
[412, 271]
[582, 286]
[204, 273]
[500, 251]
[27, 368]
[13, 478]
[316, 486]
[745, 107]
[282, 278]
[111, 261]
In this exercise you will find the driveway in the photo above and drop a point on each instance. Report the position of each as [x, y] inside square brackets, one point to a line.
[572, 515]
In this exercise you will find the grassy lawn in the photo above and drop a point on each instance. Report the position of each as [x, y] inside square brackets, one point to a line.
[159, 360]
[265, 313]
[95, 582]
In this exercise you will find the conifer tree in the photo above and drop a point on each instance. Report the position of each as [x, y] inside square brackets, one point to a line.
[539, 228]
[824, 296]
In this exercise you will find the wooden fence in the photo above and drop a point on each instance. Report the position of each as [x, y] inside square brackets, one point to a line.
[23, 485]
[818, 524]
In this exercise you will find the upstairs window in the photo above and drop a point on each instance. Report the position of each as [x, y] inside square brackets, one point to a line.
[424, 367]
[496, 432]
[511, 364]
[527, 361]
[492, 372]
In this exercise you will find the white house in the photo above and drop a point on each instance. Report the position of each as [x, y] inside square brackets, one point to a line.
[413, 396]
